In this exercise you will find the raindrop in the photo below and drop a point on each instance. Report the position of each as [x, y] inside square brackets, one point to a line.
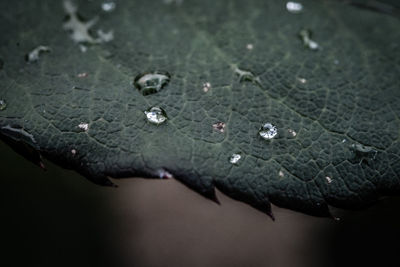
[3, 104]
[219, 126]
[234, 159]
[268, 131]
[108, 6]
[362, 149]
[164, 174]
[150, 83]
[206, 87]
[305, 36]
[294, 7]
[80, 30]
[156, 115]
[34, 55]
[302, 80]
[82, 75]
[246, 76]
[363, 153]
[83, 48]
[328, 179]
[83, 126]
[292, 132]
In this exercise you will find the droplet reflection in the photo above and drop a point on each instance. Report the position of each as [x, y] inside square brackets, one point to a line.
[156, 115]
[268, 131]
[150, 83]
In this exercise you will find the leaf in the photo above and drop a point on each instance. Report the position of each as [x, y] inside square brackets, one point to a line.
[232, 67]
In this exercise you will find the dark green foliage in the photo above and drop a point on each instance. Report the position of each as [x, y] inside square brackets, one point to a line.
[325, 103]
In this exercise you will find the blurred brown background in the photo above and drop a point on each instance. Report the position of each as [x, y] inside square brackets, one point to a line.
[58, 218]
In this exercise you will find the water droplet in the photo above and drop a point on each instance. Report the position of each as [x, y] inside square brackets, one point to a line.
[219, 126]
[234, 159]
[268, 131]
[292, 132]
[250, 46]
[150, 83]
[3, 104]
[83, 126]
[302, 80]
[305, 36]
[281, 174]
[105, 36]
[156, 115]
[80, 30]
[363, 153]
[328, 179]
[361, 148]
[34, 55]
[294, 7]
[246, 76]
[73, 152]
[83, 75]
[108, 6]
[206, 87]
[164, 174]
[336, 62]
[83, 48]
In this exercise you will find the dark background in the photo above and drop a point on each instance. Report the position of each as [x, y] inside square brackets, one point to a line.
[58, 218]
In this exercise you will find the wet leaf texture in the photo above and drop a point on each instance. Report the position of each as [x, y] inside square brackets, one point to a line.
[333, 113]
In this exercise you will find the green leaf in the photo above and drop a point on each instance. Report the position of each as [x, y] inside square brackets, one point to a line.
[231, 67]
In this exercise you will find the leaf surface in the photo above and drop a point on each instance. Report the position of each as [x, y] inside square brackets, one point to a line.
[234, 64]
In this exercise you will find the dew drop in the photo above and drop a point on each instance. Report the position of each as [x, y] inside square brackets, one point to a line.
[234, 159]
[83, 48]
[246, 76]
[206, 87]
[108, 6]
[82, 75]
[292, 132]
[156, 115]
[150, 83]
[83, 126]
[302, 80]
[294, 7]
[34, 55]
[328, 179]
[305, 36]
[219, 126]
[336, 218]
[268, 131]
[363, 154]
[3, 104]
[164, 174]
